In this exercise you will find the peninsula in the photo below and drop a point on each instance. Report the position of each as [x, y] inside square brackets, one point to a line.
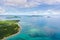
[8, 28]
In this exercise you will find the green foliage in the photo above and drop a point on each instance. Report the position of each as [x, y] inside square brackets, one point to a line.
[8, 27]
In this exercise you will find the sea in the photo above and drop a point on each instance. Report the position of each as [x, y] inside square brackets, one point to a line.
[36, 27]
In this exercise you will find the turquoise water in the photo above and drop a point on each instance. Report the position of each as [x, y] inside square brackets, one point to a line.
[39, 27]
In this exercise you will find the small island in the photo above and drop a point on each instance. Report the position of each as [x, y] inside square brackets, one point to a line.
[8, 28]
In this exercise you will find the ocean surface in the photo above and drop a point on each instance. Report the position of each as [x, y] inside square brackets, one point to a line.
[36, 27]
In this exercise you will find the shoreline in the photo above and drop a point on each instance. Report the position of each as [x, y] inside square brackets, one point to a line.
[14, 34]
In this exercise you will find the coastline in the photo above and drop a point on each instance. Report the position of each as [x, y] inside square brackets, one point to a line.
[14, 34]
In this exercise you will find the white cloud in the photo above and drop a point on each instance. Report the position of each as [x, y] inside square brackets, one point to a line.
[45, 12]
[31, 3]
[38, 12]
[2, 10]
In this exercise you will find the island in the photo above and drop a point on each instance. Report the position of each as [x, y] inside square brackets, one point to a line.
[8, 28]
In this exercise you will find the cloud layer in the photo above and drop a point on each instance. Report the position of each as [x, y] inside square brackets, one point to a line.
[18, 6]
[30, 3]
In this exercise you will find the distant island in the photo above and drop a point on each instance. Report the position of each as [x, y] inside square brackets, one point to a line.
[8, 28]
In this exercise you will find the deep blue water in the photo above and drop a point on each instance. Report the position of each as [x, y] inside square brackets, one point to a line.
[36, 27]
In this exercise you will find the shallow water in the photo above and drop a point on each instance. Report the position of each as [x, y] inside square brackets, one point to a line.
[39, 27]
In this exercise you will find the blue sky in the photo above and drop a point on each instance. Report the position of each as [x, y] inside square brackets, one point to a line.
[34, 7]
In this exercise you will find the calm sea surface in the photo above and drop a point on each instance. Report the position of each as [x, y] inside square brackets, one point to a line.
[36, 27]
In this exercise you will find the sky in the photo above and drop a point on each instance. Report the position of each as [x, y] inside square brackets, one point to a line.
[29, 7]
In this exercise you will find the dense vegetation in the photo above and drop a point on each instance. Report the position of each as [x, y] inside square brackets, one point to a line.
[8, 27]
